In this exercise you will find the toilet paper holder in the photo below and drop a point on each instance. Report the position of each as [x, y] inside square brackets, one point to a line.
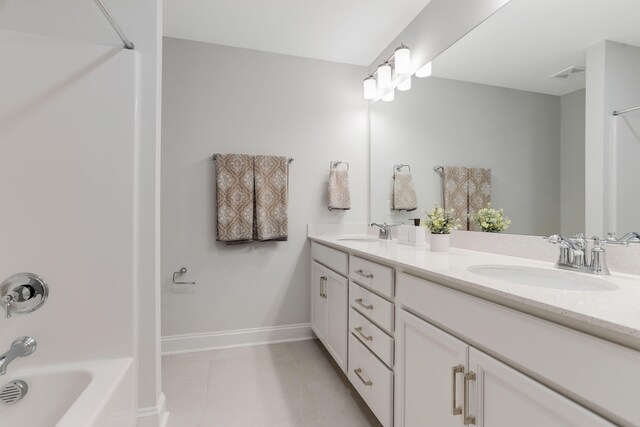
[182, 271]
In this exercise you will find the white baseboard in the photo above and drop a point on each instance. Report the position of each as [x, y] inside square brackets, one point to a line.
[174, 344]
[154, 416]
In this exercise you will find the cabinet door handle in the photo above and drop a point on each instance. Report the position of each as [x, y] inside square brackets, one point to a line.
[364, 337]
[358, 373]
[365, 275]
[323, 287]
[468, 419]
[363, 305]
[455, 408]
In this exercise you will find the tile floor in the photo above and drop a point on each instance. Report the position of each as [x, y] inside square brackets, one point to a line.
[280, 385]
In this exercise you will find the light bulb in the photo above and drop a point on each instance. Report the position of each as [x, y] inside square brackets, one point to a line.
[402, 58]
[389, 96]
[384, 75]
[405, 84]
[370, 89]
[425, 70]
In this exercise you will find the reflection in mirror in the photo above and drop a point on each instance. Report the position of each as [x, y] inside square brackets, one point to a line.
[519, 114]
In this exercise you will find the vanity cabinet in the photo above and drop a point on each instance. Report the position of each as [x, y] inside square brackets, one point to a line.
[329, 303]
[435, 368]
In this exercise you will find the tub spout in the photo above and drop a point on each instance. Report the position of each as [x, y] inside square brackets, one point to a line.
[21, 347]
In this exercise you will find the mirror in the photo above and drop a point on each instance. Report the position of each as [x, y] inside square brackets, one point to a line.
[529, 95]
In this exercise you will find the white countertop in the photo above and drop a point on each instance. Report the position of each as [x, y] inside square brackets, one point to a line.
[615, 312]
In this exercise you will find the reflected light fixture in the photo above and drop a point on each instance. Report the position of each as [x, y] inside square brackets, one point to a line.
[384, 75]
[425, 70]
[405, 84]
[370, 88]
[402, 59]
[389, 96]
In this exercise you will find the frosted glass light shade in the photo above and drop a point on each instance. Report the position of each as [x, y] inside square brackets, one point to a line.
[370, 88]
[384, 75]
[389, 96]
[402, 58]
[405, 84]
[424, 71]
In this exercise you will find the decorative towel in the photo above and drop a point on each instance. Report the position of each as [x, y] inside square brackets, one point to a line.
[455, 188]
[404, 192]
[271, 198]
[479, 192]
[339, 194]
[235, 194]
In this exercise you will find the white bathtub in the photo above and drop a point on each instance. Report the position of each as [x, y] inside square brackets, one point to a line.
[86, 394]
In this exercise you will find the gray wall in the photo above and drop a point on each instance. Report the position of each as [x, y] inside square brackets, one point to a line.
[222, 100]
[572, 170]
[446, 122]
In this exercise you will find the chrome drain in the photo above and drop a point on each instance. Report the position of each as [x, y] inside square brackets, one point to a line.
[13, 392]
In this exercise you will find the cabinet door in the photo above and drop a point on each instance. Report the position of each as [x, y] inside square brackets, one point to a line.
[430, 366]
[319, 279]
[503, 397]
[337, 324]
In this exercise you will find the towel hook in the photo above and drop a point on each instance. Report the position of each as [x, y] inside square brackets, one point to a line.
[438, 169]
[183, 270]
[399, 167]
[336, 163]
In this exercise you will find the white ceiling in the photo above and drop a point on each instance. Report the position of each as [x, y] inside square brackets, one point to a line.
[349, 31]
[526, 41]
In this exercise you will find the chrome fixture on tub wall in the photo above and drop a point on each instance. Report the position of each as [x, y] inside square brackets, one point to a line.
[23, 293]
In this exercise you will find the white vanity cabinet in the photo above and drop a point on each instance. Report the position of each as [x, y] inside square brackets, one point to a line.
[329, 301]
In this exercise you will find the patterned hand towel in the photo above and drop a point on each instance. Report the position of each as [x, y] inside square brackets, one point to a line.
[339, 193]
[455, 187]
[404, 192]
[479, 192]
[271, 178]
[234, 194]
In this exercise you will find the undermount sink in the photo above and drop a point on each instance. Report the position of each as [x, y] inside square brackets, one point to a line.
[543, 278]
[363, 238]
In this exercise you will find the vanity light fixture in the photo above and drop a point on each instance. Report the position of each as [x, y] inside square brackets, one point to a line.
[405, 84]
[384, 75]
[425, 70]
[370, 88]
[402, 59]
[389, 96]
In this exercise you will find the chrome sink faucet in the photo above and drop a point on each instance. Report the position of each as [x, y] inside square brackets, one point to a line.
[385, 230]
[573, 252]
[21, 347]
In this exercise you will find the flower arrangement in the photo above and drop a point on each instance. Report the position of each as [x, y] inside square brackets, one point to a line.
[491, 220]
[441, 221]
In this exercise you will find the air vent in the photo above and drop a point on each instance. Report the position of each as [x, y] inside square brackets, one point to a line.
[568, 73]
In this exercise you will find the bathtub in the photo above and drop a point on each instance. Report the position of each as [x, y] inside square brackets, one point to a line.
[85, 394]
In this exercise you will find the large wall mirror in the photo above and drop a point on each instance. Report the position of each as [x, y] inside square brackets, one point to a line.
[529, 95]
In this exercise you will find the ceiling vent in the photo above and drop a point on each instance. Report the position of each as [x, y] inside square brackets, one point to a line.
[568, 73]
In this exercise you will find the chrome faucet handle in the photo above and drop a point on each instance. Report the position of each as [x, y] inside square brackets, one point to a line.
[632, 237]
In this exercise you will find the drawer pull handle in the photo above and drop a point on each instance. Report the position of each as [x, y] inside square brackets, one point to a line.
[363, 305]
[468, 419]
[358, 373]
[365, 275]
[364, 337]
[323, 287]
[455, 408]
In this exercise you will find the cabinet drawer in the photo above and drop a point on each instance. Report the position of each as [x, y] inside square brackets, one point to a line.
[332, 258]
[375, 276]
[373, 307]
[372, 380]
[371, 336]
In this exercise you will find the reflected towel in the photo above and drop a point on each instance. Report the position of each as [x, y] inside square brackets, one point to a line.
[455, 190]
[479, 193]
[404, 192]
[339, 194]
[234, 198]
[271, 198]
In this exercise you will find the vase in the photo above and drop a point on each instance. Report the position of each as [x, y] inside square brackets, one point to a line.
[439, 242]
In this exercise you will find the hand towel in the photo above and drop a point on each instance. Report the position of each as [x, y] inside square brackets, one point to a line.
[479, 192]
[404, 192]
[271, 198]
[234, 198]
[339, 194]
[455, 188]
